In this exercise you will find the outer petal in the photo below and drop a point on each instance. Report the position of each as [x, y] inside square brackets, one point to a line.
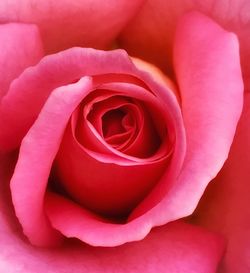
[20, 47]
[211, 88]
[175, 248]
[67, 23]
[39, 147]
[225, 205]
[151, 34]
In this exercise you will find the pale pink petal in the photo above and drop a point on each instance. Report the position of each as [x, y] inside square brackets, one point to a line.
[36, 155]
[67, 23]
[20, 47]
[225, 205]
[150, 35]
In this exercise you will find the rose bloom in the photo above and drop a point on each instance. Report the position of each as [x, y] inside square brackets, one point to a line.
[124, 136]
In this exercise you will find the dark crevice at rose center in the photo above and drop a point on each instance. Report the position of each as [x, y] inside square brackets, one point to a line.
[112, 123]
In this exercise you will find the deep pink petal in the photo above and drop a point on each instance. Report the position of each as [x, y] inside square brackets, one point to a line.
[225, 205]
[107, 188]
[67, 23]
[20, 47]
[37, 152]
[150, 35]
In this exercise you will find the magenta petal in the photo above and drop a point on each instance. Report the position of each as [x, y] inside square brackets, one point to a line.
[20, 47]
[36, 156]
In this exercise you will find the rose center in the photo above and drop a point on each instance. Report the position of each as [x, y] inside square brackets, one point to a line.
[113, 123]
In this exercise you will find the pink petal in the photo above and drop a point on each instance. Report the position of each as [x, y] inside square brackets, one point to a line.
[67, 23]
[29, 92]
[225, 205]
[20, 47]
[211, 93]
[37, 152]
[150, 35]
[175, 248]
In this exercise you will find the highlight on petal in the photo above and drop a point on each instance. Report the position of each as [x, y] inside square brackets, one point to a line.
[67, 23]
[38, 150]
[20, 47]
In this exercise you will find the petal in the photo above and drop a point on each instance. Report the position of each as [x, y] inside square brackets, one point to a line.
[68, 23]
[110, 189]
[28, 93]
[15, 58]
[225, 205]
[175, 248]
[211, 92]
[150, 35]
[38, 149]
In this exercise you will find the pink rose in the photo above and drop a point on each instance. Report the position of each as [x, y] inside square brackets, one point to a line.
[109, 147]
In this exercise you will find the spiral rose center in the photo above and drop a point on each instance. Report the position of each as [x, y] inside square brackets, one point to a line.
[124, 124]
[115, 149]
